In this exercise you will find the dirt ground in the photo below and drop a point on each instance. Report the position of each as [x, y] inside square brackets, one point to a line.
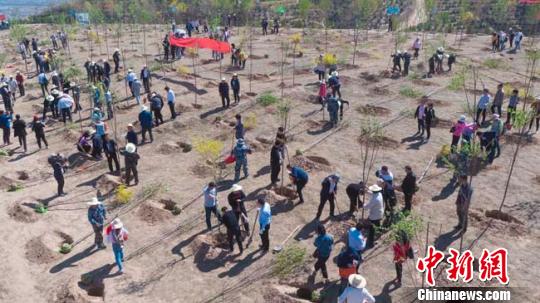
[168, 260]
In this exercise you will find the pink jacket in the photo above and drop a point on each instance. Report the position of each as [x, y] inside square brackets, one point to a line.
[322, 90]
[458, 129]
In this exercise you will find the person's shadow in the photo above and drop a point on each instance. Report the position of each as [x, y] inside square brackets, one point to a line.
[307, 231]
[242, 264]
[71, 261]
[446, 191]
[443, 241]
[384, 296]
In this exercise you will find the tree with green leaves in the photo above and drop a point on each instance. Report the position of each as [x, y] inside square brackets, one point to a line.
[304, 7]
[364, 10]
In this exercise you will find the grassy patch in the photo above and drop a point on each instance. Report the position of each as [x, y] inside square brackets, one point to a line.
[289, 260]
[407, 91]
[267, 99]
[15, 187]
[457, 82]
[494, 63]
[3, 153]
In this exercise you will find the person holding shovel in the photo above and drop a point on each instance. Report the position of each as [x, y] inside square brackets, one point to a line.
[236, 200]
[463, 202]
[230, 221]
[265, 218]
[117, 235]
[131, 159]
[58, 163]
[38, 128]
[300, 178]
[354, 190]
[97, 216]
[328, 193]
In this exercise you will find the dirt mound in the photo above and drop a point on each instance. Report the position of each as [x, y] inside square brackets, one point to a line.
[537, 179]
[381, 91]
[385, 142]
[362, 55]
[38, 252]
[496, 226]
[319, 160]
[153, 212]
[209, 246]
[107, 183]
[69, 294]
[260, 77]
[373, 110]
[6, 183]
[282, 295]
[37, 108]
[369, 77]
[312, 124]
[339, 229]
[265, 140]
[422, 82]
[305, 163]
[499, 215]
[181, 108]
[211, 84]
[281, 193]
[22, 214]
[22, 175]
[202, 171]
[514, 138]
[70, 136]
[168, 148]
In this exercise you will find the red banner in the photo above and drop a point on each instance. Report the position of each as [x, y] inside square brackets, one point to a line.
[218, 46]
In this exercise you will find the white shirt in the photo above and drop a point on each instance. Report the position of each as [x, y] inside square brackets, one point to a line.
[375, 206]
[332, 187]
[355, 295]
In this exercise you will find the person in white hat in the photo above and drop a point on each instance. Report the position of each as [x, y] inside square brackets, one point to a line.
[375, 208]
[328, 193]
[130, 77]
[131, 159]
[356, 291]
[335, 84]
[6, 96]
[145, 118]
[117, 234]
[235, 85]
[97, 216]
[146, 77]
[236, 200]
[224, 93]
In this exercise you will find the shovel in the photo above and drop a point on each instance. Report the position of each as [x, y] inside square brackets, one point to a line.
[279, 248]
[253, 229]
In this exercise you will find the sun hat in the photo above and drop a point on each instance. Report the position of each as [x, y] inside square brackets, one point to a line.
[55, 92]
[235, 75]
[223, 79]
[374, 188]
[144, 108]
[117, 224]
[130, 70]
[130, 148]
[130, 125]
[236, 187]
[462, 118]
[357, 281]
[94, 202]
[49, 98]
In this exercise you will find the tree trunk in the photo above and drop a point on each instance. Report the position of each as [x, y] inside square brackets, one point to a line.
[250, 55]
[144, 45]
[195, 74]
[106, 40]
[293, 63]
[355, 44]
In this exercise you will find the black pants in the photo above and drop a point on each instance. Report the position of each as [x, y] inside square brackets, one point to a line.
[371, 235]
[537, 123]
[60, 182]
[462, 218]
[408, 201]
[6, 132]
[146, 84]
[116, 66]
[158, 117]
[113, 158]
[327, 197]
[406, 69]
[236, 95]
[354, 201]
[498, 108]
[509, 111]
[143, 133]
[274, 173]
[208, 214]
[396, 66]
[415, 55]
[336, 91]
[265, 238]
[132, 170]
[166, 53]
[300, 184]
[231, 234]
[428, 128]
[66, 113]
[483, 112]
[39, 138]
[98, 235]
[399, 270]
[173, 111]
[421, 126]
[321, 264]
[225, 98]
[22, 142]
[21, 89]
[321, 75]
[238, 215]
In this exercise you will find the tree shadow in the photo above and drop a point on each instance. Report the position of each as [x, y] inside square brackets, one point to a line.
[446, 191]
[282, 207]
[307, 231]
[412, 138]
[242, 264]
[188, 85]
[256, 194]
[416, 145]
[22, 156]
[70, 262]
[443, 241]
[177, 250]
[324, 128]
[93, 281]
[206, 264]
[91, 183]
[46, 201]
[211, 112]
[265, 170]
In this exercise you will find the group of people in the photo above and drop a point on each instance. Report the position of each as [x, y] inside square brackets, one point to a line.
[512, 37]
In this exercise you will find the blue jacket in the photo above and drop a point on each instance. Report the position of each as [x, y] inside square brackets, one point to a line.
[5, 120]
[131, 137]
[235, 84]
[240, 151]
[145, 117]
[299, 174]
[97, 215]
[324, 244]
[332, 105]
[239, 131]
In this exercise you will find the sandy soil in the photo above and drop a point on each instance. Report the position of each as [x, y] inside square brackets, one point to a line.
[171, 258]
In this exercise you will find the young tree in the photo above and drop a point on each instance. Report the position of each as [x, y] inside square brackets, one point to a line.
[304, 7]
[364, 10]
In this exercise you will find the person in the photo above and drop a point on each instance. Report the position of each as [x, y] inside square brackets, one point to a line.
[517, 40]
[457, 131]
[240, 151]
[300, 178]
[511, 36]
[76, 93]
[324, 244]
[335, 85]
[109, 146]
[320, 69]
[136, 89]
[332, 105]
[328, 193]
[406, 62]
[402, 251]
[281, 135]
[417, 45]
[242, 57]
[131, 135]
[65, 102]
[38, 129]
[420, 115]
[239, 130]
[463, 202]
[497, 128]
[5, 124]
[12, 85]
[20, 82]
[276, 160]
[481, 108]
[348, 262]
[224, 93]
[97, 214]
[233, 229]
[235, 85]
[6, 96]
[83, 144]
[131, 159]
[96, 95]
[166, 45]
[356, 241]
[59, 166]
[43, 83]
[264, 25]
[236, 200]
[146, 77]
[106, 69]
[145, 118]
[117, 235]
[431, 63]
[535, 114]
[396, 61]
[498, 100]
[171, 98]
[375, 208]
[408, 187]
[130, 78]
[428, 119]
[156, 104]
[356, 291]
[109, 104]
[210, 204]
[116, 59]
[97, 140]
[276, 26]
[354, 190]
[322, 93]
[388, 193]
[265, 218]
[512, 106]
[19, 131]
[451, 61]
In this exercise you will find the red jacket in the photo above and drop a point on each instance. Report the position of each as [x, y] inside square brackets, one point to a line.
[19, 78]
[400, 252]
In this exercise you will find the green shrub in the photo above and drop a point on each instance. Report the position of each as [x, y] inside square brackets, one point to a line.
[267, 99]
[457, 82]
[14, 187]
[494, 63]
[289, 260]
[407, 91]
